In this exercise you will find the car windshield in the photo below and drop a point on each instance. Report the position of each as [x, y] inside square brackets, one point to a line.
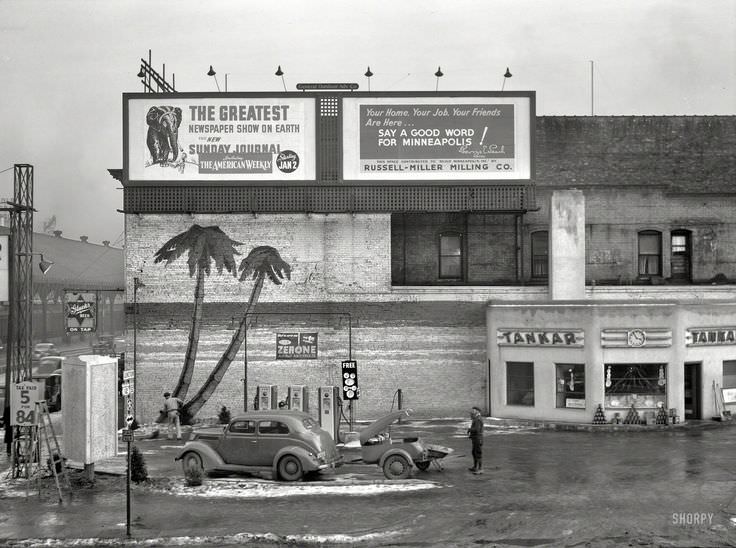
[309, 423]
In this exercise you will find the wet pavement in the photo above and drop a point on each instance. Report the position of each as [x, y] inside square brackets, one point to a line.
[540, 488]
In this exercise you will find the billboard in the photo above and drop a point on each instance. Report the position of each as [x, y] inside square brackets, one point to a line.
[81, 311]
[296, 346]
[438, 138]
[179, 138]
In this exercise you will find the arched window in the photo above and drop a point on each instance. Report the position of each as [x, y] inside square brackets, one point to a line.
[451, 256]
[540, 254]
[650, 253]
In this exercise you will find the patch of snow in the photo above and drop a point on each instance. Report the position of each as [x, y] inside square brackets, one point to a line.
[220, 540]
[261, 489]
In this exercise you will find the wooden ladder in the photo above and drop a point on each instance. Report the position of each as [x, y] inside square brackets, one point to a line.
[56, 460]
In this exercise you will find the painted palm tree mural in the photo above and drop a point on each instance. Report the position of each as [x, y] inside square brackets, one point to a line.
[204, 245]
[261, 263]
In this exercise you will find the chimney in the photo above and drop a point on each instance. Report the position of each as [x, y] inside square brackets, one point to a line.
[106, 243]
[57, 233]
[84, 238]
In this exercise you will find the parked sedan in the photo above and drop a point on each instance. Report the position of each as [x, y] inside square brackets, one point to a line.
[286, 443]
[43, 349]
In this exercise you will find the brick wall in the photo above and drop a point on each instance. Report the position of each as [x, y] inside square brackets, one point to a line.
[416, 347]
[614, 216]
[690, 154]
[329, 254]
[489, 247]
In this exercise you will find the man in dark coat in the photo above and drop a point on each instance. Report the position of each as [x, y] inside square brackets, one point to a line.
[475, 433]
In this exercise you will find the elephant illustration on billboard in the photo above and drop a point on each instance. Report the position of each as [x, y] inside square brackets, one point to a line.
[163, 133]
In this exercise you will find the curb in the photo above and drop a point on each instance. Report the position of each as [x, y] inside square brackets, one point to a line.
[585, 427]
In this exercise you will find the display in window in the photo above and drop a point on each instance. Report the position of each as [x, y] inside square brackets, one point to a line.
[571, 385]
[637, 385]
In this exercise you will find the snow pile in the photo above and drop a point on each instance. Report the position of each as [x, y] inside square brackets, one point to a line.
[258, 489]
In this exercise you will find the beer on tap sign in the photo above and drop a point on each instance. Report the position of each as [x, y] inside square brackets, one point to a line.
[80, 311]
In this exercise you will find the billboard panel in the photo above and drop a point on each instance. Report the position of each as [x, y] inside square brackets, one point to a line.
[182, 138]
[437, 138]
[81, 311]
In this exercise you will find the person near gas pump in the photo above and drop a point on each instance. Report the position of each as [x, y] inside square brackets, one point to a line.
[475, 433]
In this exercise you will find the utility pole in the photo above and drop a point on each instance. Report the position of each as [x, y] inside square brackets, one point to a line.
[592, 111]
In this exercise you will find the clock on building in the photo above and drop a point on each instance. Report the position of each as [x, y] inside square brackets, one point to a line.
[637, 337]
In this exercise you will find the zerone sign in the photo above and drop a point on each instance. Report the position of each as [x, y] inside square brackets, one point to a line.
[190, 137]
[296, 346]
[437, 138]
[81, 311]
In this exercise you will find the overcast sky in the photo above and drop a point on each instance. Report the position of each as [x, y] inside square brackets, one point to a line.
[65, 64]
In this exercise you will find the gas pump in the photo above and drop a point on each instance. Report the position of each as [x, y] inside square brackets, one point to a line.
[298, 398]
[267, 396]
[329, 409]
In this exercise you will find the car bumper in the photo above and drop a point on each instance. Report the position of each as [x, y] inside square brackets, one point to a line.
[333, 464]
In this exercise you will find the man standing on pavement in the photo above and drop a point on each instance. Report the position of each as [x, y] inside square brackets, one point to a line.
[475, 433]
[172, 409]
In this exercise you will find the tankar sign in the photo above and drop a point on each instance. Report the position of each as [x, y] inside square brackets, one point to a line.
[711, 336]
[539, 337]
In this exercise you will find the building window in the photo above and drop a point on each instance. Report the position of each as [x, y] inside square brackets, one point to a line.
[520, 383]
[540, 254]
[637, 384]
[650, 253]
[571, 385]
[680, 255]
[729, 374]
[451, 256]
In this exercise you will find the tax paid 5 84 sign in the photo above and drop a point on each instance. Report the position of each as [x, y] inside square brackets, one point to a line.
[23, 398]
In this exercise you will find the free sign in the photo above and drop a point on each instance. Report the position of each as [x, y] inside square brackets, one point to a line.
[23, 400]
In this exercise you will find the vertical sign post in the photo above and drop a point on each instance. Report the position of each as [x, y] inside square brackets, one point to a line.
[127, 389]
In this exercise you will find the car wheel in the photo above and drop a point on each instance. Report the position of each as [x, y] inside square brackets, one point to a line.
[423, 465]
[396, 467]
[290, 468]
[192, 461]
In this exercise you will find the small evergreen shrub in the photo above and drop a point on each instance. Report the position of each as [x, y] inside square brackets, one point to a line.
[224, 415]
[138, 470]
[185, 417]
[193, 476]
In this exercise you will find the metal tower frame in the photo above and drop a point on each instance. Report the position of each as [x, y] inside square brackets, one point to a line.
[150, 78]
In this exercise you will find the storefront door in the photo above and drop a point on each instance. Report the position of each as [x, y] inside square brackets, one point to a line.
[693, 391]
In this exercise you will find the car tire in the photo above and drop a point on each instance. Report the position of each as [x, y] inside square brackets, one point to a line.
[423, 465]
[290, 468]
[191, 461]
[396, 467]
